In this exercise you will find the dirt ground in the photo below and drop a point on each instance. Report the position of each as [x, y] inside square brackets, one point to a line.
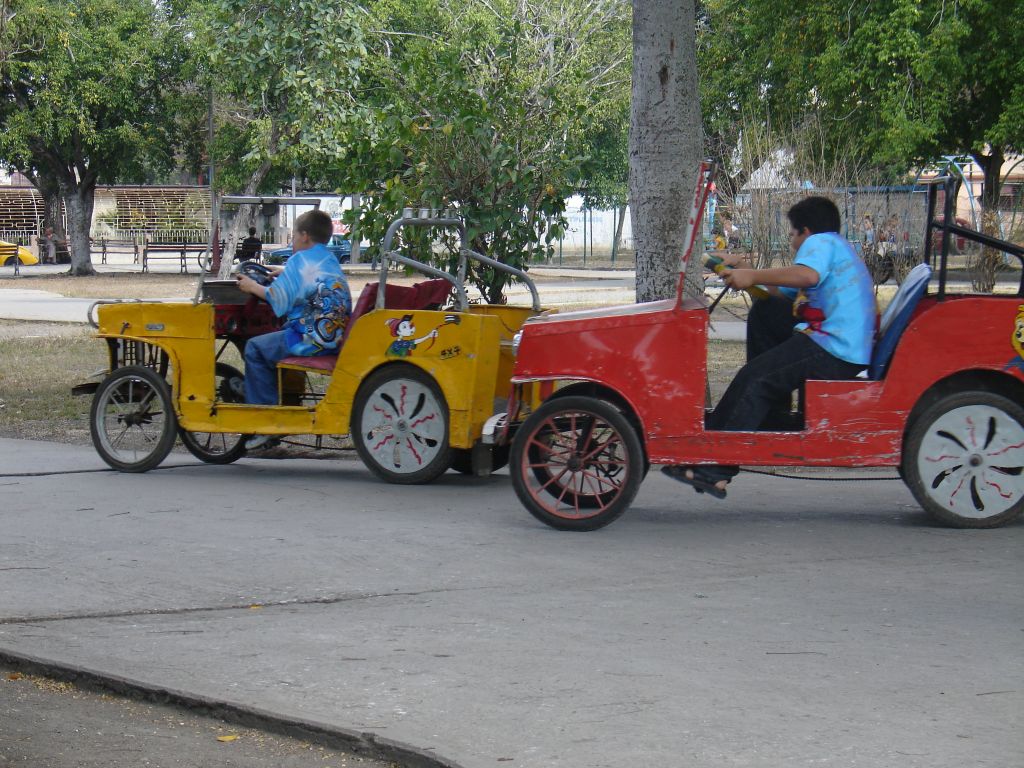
[45, 722]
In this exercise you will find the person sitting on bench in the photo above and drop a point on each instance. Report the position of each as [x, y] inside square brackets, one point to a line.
[250, 248]
[818, 323]
[312, 293]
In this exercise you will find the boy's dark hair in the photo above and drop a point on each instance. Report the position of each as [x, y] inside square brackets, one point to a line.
[252, 231]
[317, 225]
[818, 214]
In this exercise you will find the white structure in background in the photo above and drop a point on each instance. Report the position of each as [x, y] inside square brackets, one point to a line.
[333, 205]
[773, 173]
[599, 228]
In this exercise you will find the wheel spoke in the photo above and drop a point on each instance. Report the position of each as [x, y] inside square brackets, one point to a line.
[554, 478]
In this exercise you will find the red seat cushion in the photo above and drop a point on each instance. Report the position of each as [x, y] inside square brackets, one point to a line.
[428, 294]
[320, 362]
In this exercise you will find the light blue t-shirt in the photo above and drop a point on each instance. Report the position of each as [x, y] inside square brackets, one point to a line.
[842, 305]
[313, 295]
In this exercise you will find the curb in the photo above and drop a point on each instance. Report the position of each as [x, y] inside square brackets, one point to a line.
[361, 743]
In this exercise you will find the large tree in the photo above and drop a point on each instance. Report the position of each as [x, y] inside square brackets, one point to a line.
[898, 82]
[482, 106]
[284, 74]
[665, 143]
[82, 99]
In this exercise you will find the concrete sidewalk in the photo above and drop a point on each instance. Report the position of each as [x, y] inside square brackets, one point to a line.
[30, 304]
[795, 623]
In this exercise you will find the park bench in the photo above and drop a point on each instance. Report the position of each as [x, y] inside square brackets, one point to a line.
[245, 252]
[111, 245]
[179, 251]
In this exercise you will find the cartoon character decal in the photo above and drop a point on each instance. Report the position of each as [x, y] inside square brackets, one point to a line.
[404, 331]
[1017, 340]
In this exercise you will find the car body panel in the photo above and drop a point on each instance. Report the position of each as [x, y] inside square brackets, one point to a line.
[653, 359]
[25, 256]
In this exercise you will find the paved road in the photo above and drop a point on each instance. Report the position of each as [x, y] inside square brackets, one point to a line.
[794, 624]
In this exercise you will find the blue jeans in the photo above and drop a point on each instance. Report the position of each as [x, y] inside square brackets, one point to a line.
[262, 354]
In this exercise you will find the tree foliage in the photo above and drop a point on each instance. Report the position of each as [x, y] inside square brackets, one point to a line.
[899, 82]
[83, 91]
[284, 74]
[481, 107]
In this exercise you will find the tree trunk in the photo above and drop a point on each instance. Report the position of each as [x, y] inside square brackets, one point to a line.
[52, 206]
[230, 235]
[665, 143]
[620, 220]
[78, 202]
[354, 236]
[986, 265]
[241, 221]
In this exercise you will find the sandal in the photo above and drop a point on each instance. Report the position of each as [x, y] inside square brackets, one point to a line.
[701, 482]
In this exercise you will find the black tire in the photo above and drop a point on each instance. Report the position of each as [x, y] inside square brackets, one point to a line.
[462, 459]
[400, 425]
[132, 419]
[962, 459]
[219, 447]
[601, 453]
[11, 261]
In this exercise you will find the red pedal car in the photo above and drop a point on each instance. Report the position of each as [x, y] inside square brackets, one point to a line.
[599, 396]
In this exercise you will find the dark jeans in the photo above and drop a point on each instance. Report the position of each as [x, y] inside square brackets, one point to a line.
[770, 322]
[781, 362]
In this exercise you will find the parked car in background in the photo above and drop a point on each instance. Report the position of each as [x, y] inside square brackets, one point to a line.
[339, 246]
[25, 256]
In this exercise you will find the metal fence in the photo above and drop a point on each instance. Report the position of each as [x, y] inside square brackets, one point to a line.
[26, 237]
[871, 216]
[157, 236]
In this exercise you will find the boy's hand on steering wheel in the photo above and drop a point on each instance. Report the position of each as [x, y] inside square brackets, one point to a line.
[247, 285]
[735, 260]
[740, 279]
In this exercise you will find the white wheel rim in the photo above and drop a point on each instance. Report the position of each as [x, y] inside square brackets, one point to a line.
[403, 426]
[971, 460]
[124, 435]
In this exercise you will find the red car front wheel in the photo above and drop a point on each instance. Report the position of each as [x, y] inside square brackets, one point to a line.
[577, 463]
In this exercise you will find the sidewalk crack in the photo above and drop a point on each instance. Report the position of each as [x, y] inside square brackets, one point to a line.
[332, 600]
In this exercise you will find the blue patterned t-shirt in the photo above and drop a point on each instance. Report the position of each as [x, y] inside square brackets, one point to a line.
[313, 295]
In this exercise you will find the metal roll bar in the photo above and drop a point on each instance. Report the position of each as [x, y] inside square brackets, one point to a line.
[465, 253]
[948, 227]
[95, 323]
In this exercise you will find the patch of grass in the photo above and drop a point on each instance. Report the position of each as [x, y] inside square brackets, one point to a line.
[112, 286]
[36, 376]
[725, 358]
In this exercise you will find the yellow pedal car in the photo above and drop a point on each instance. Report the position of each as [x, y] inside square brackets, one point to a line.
[420, 372]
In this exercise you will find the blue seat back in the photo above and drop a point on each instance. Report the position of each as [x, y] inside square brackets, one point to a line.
[897, 317]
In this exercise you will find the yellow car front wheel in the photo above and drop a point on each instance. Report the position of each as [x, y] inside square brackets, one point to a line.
[400, 425]
[132, 420]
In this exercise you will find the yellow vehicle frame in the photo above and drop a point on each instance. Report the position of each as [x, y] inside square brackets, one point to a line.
[471, 363]
[469, 356]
